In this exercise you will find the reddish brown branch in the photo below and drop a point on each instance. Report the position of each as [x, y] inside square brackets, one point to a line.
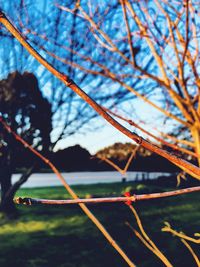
[162, 141]
[134, 198]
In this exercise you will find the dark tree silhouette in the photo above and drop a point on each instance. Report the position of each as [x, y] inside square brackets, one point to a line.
[29, 114]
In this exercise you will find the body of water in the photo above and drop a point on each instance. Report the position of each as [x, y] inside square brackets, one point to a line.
[74, 178]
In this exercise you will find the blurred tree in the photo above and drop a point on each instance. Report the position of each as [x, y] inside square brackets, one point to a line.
[29, 114]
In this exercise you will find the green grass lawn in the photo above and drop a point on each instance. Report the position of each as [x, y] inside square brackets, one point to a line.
[63, 236]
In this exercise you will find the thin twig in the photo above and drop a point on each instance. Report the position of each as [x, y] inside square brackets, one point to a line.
[115, 166]
[191, 251]
[154, 250]
[167, 228]
[184, 239]
[134, 198]
[162, 141]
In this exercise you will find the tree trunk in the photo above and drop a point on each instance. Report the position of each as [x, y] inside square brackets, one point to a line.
[8, 190]
[7, 205]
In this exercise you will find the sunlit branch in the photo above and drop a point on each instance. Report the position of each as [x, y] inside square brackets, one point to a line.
[184, 165]
[176, 98]
[184, 239]
[188, 57]
[167, 228]
[174, 139]
[171, 33]
[115, 166]
[144, 241]
[162, 141]
[128, 31]
[194, 255]
[147, 240]
[131, 158]
[193, 26]
[186, 43]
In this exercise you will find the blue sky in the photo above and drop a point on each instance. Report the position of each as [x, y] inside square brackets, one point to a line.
[95, 140]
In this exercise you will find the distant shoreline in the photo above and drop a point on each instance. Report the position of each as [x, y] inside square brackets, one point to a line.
[19, 171]
[74, 178]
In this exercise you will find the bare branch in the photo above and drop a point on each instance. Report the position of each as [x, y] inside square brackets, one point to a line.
[191, 251]
[167, 228]
[134, 198]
